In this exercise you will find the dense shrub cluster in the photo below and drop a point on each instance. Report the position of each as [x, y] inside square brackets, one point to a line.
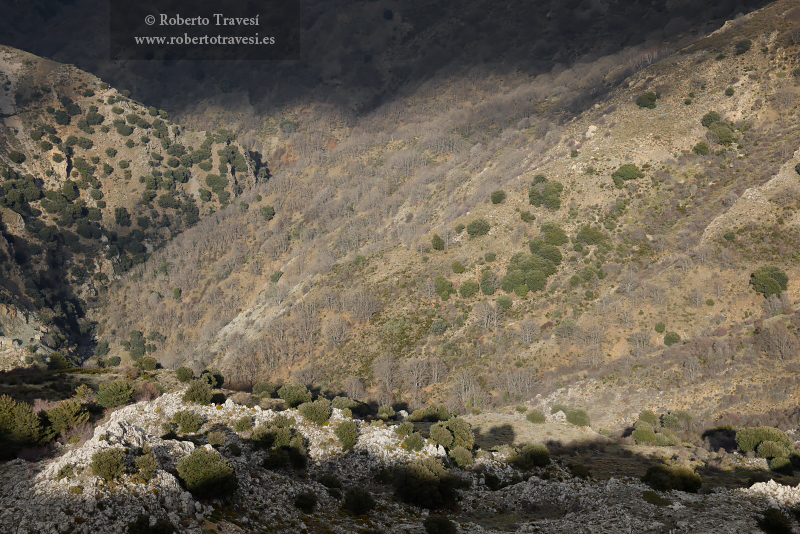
[427, 483]
[358, 501]
[769, 280]
[529, 456]
[109, 463]
[199, 392]
[433, 413]
[775, 440]
[478, 227]
[115, 393]
[347, 433]
[628, 171]
[536, 416]
[207, 474]
[187, 421]
[318, 411]
[647, 100]
[666, 478]
[545, 192]
[294, 394]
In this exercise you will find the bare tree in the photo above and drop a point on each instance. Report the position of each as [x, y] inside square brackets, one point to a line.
[354, 387]
[384, 369]
[528, 331]
[486, 314]
[640, 341]
[692, 366]
[628, 281]
[783, 99]
[335, 329]
[518, 382]
[361, 303]
[437, 369]
[674, 279]
[467, 391]
[415, 373]
[776, 305]
[592, 337]
[683, 262]
[777, 341]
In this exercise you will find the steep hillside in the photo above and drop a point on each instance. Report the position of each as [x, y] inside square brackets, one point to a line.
[92, 184]
[612, 272]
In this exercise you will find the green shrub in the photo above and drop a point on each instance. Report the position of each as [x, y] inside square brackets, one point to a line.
[264, 389]
[505, 302]
[536, 417]
[114, 361]
[498, 196]
[413, 442]
[199, 392]
[529, 456]
[426, 482]
[749, 438]
[649, 417]
[184, 374]
[643, 433]
[469, 288]
[187, 421]
[553, 234]
[207, 475]
[437, 524]
[772, 449]
[404, 429]
[294, 394]
[142, 526]
[579, 471]
[654, 498]
[666, 478]
[109, 463]
[437, 243]
[660, 327]
[115, 393]
[243, 424]
[457, 268]
[478, 227]
[57, 361]
[647, 100]
[358, 501]
[433, 413]
[701, 148]
[742, 46]
[147, 363]
[769, 280]
[710, 118]
[774, 522]
[67, 414]
[461, 456]
[386, 412]
[628, 171]
[318, 412]
[782, 465]
[147, 464]
[729, 91]
[305, 502]
[347, 433]
[670, 338]
[441, 435]
[723, 132]
[577, 417]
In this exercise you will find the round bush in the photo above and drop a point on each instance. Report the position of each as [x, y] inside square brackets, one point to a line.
[498, 196]
[670, 338]
[414, 442]
[386, 412]
[643, 433]
[478, 227]
[115, 393]
[461, 456]
[648, 417]
[294, 394]
[462, 432]
[317, 412]
[536, 417]
[187, 421]
[749, 438]
[109, 464]
[426, 482]
[207, 474]
[441, 435]
[199, 392]
[358, 501]
[347, 433]
[782, 465]
[264, 389]
[243, 424]
[647, 100]
[529, 456]
[437, 524]
[577, 417]
[184, 374]
[147, 363]
[701, 148]
[305, 502]
[665, 478]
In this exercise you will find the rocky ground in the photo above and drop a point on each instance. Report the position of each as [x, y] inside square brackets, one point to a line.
[38, 497]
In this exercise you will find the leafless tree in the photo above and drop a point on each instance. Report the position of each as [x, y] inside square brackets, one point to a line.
[783, 99]
[384, 369]
[519, 382]
[361, 303]
[640, 341]
[467, 390]
[437, 369]
[335, 329]
[592, 337]
[487, 314]
[777, 341]
[692, 366]
[528, 331]
[415, 373]
[310, 375]
[683, 262]
[628, 281]
[675, 279]
[354, 387]
[776, 305]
